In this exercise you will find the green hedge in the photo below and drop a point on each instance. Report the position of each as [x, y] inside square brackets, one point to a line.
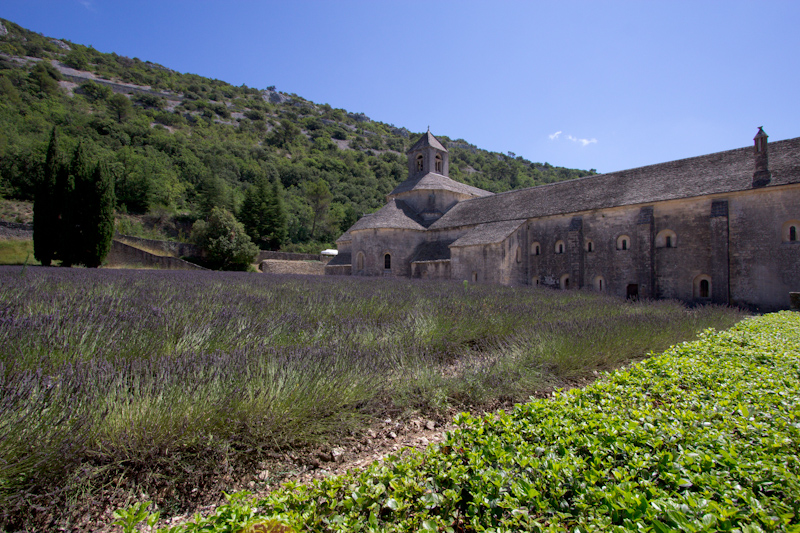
[702, 438]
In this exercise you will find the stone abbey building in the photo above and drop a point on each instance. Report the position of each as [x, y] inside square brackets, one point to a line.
[721, 228]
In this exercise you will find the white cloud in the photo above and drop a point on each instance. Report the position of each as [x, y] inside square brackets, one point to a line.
[87, 4]
[583, 142]
[554, 135]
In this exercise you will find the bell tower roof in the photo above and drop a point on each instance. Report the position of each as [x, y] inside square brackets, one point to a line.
[426, 140]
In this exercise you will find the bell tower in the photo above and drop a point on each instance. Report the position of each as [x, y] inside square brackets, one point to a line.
[428, 156]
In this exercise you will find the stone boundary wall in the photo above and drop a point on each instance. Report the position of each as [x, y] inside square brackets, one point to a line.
[285, 256]
[278, 266]
[16, 231]
[173, 248]
[339, 270]
[122, 255]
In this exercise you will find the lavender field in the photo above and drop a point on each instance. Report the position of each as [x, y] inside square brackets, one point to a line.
[119, 383]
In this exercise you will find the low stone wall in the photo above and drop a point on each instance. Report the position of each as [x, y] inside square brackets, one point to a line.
[338, 270]
[286, 256]
[171, 248]
[14, 231]
[279, 266]
[124, 255]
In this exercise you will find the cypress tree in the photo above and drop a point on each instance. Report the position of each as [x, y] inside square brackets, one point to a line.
[275, 218]
[71, 193]
[45, 207]
[98, 222]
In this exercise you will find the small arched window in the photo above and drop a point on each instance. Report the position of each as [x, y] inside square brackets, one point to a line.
[702, 287]
[387, 261]
[790, 231]
[360, 261]
[559, 247]
[623, 242]
[599, 284]
[666, 239]
[438, 163]
[589, 246]
[519, 254]
[564, 282]
[419, 163]
[474, 277]
[536, 249]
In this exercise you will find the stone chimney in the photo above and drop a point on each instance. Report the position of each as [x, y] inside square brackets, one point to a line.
[761, 176]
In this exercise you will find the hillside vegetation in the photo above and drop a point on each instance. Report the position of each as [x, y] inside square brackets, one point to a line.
[181, 144]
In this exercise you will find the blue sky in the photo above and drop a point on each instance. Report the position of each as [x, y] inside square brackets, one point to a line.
[608, 85]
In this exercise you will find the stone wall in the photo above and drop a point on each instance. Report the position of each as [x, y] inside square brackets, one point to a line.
[124, 255]
[16, 231]
[285, 256]
[278, 266]
[158, 247]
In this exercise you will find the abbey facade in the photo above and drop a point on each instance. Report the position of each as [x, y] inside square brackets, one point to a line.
[721, 228]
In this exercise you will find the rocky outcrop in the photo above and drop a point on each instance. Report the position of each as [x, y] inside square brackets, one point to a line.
[61, 44]
[3, 30]
[274, 97]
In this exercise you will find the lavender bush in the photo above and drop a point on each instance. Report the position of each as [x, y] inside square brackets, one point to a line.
[131, 380]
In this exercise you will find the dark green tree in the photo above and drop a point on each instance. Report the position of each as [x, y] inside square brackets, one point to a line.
[263, 215]
[319, 198]
[225, 241]
[285, 134]
[95, 224]
[120, 106]
[45, 207]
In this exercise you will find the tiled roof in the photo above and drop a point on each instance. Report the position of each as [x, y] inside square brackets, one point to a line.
[394, 215]
[346, 237]
[490, 233]
[438, 182]
[427, 139]
[431, 251]
[341, 259]
[720, 172]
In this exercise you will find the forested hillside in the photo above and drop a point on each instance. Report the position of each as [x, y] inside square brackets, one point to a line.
[181, 144]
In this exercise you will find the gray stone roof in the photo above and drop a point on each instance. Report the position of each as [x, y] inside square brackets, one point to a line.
[438, 182]
[490, 233]
[431, 251]
[394, 215]
[341, 259]
[427, 139]
[721, 172]
[346, 237]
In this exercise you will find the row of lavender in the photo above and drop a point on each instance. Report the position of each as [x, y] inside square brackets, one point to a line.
[136, 380]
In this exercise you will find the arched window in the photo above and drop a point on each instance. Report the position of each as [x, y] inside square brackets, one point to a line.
[536, 249]
[438, 163]
[564, 283]
[387, 261]
[519, 254]
[599, 284]
[623, 242]
[559, 247]
[419, 162]
[360, 261]
[474, 277]
[589, 246]
[666, 239]
[790, 231]
[702, 287]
